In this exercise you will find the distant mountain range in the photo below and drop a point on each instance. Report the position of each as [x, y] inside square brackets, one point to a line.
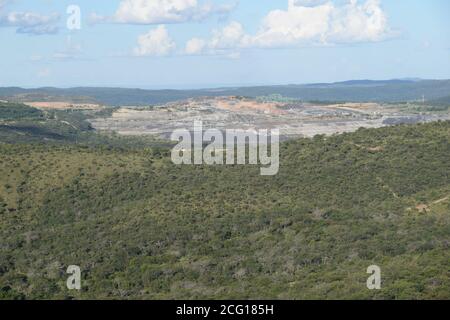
[398, 90]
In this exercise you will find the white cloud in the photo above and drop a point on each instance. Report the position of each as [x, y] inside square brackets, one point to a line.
[231, 36]
[324, 23]
[223, 40]
[298, 23]
[156, 42]
[30, 22]
[308, 22]
[195, 46]
[162, 11]
[359, 23]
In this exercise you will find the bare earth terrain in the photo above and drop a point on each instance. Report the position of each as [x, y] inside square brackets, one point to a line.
[62, 105]
[292, 118]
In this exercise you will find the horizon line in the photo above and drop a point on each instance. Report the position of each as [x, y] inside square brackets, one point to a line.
[217, 86]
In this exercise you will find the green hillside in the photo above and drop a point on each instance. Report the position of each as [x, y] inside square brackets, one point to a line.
[141, 227]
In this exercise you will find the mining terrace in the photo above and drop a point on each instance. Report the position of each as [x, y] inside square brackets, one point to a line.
[292, 118]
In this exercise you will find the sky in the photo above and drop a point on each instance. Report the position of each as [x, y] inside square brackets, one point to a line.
[182, 44]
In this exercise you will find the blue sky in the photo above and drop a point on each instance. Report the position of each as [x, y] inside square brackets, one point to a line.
[196, 43]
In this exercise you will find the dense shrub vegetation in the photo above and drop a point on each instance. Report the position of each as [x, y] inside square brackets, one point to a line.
[141, 227]
[14, 111]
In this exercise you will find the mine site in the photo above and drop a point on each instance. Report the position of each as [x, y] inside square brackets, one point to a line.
[292, 118]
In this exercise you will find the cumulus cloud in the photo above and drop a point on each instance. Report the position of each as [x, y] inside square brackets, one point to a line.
[223, 40]
[231, 36]
[162, 11]
[195, 46]
[29, 22]
[156, 42]
[308, 22]
[324, 23]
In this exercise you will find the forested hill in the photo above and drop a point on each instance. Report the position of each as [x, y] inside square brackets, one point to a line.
[141, 227]
[349, 91]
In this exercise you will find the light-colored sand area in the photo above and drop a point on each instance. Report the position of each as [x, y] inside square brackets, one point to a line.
[63, 105]
[239, 105]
